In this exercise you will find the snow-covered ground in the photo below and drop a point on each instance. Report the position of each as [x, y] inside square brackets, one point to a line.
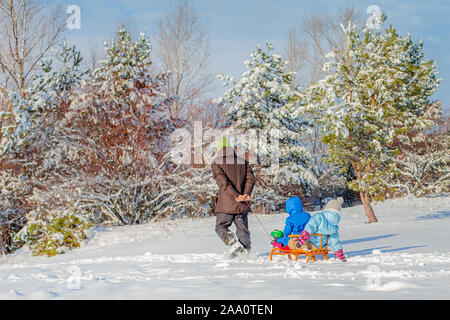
[405, 256]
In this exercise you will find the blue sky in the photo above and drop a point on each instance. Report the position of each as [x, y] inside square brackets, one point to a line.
[237, 26]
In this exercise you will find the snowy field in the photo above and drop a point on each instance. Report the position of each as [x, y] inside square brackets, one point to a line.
[405, 256]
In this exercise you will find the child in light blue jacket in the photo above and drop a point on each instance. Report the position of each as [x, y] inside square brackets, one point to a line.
[326, 223]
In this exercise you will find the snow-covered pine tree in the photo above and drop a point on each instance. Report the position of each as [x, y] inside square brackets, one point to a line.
[49, 92]
[259, 103]
[31, 151]
[370, 98]
[123, 128]
[127, 89]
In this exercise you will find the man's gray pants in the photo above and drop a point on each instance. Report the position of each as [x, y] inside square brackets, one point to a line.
[224, 221]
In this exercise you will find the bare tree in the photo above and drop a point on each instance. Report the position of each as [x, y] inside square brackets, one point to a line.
[295, 52]
[28, 30]
[306, 45]
[323, 34]
[182, 48]
[95, 55]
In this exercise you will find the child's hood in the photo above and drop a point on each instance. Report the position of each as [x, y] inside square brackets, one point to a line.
[294, 206]
[332, 217]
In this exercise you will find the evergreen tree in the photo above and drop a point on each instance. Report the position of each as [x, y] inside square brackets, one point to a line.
[31, 152]
[123, 126]
[48, 94]
[370, 98]
[259, 103]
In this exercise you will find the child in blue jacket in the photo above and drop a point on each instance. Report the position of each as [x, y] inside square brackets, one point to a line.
[295, 223]
[326, 223]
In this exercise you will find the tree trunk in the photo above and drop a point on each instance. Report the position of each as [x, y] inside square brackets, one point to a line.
[365, 199]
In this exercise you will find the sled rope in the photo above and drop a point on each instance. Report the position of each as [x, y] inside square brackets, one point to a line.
[268, 234]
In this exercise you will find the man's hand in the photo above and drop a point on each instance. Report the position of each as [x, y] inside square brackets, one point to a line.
[243, 198]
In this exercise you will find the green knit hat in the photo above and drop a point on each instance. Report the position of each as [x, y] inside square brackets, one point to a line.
[223, 142]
